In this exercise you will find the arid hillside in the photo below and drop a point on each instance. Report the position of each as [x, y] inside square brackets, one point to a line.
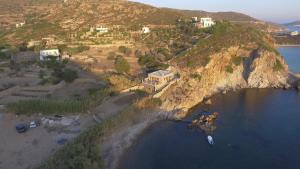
[62, 18]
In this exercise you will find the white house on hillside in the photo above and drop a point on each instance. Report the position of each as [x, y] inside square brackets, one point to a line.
[158, 80]
[44, 54]
[19, 25]
[102, 29]
[195, 19]
[145, 30]
[207, 22]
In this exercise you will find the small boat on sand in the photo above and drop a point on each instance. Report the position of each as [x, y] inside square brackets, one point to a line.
[210, 140]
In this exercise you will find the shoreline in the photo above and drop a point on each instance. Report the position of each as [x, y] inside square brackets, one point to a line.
[149, 123]
[288, 45]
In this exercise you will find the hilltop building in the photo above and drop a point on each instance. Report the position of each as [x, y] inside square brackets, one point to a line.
[102, 29]
[19, 25]
[158, 80]
[203, 22]
[145, 30]
[294, 33]
[194, 19]
[44, 54]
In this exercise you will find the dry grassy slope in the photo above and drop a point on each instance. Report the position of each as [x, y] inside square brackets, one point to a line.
[108, 11]
[126, 12]
[78, 15]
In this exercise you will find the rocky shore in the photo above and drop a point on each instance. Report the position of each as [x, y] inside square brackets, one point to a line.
[257, 69]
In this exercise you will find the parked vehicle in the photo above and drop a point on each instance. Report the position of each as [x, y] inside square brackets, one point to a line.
[32, 124]
[21, 128]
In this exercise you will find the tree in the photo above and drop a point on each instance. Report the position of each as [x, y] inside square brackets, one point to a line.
[125, 50]
[122, 65]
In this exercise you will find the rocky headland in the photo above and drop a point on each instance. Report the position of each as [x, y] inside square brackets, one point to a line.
[232, 69]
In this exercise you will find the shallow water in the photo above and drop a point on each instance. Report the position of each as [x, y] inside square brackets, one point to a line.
[256, 129]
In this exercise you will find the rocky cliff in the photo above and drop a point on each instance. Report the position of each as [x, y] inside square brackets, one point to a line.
[230, 69]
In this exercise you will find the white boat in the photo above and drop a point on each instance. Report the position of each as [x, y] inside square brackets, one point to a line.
[210, 140]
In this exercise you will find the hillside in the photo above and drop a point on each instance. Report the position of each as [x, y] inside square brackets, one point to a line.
[65, 18]
[293, 23]
[223, 36]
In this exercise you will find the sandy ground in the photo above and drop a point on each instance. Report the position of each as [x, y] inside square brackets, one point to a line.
[28, 150]
[114, 146]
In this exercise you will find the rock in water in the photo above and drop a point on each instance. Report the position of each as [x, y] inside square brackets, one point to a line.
[208, 102]
[298, 86]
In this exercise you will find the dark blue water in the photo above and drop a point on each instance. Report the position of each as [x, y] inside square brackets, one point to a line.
[294, 28]
[256, 129]
[292, 57]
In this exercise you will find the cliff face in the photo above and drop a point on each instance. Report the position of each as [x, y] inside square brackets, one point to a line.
[232, 69]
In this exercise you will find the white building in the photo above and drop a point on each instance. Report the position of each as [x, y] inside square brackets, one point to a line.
[158, 80]
[19, 25]
[195, 19]
[102, 29]
[294, 33]
[207, 22]
[145, 30]
[44, 54]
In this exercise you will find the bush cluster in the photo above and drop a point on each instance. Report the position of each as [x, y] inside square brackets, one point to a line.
[122, 65]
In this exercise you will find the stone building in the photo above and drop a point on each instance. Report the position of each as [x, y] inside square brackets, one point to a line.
[158, 80]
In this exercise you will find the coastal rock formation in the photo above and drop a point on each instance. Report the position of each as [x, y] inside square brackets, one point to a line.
[298, 85]
[232, 69]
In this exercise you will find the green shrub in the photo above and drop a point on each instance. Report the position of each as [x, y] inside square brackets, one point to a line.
[196, 76]
[122, 65]
[277, 66]
[4, 56]
[69, 75]
[111, 56]
[229, 69]
[79, 49]
[237, 60]
[125, 50]
[53, 63]
[138, 53]
[191, 64]
[83, 152]
[151, 63]
[48, 107]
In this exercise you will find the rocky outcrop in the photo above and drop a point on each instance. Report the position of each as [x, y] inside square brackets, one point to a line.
[263, 72]
[298, 85]
[232, 69]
